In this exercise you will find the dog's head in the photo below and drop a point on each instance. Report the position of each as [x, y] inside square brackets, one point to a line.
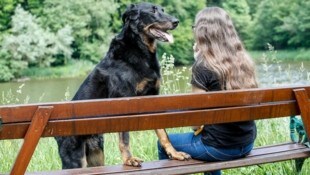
[150, 20]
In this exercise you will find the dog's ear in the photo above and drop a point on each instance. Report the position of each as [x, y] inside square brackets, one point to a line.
[131, 13]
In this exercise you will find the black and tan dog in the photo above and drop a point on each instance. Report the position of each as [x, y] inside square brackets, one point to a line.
[130, 68]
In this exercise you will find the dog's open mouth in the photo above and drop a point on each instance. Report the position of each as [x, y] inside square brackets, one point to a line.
[161, 35]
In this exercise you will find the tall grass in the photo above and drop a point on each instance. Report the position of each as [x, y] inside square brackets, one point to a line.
[174, 80]
[144, 143]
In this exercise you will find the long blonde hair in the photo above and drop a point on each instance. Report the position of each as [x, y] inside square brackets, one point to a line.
[221, 51]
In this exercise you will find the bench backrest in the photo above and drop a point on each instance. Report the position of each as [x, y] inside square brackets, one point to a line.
[143, 113]
[152, 112]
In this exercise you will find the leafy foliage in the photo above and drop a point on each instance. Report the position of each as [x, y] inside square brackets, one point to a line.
[253, 6]
[7, 8]
[90, 22]
[185, 11]
[29, 44]
[266, 20]
[6, 11]
[297, 24]
[58, 30]
[5, 73]
[240, 13]
[217, 3]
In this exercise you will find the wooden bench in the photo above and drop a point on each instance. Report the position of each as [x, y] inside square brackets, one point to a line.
[153, 112]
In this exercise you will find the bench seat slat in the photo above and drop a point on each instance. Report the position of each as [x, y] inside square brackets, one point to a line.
[275, 149]
[259, 155]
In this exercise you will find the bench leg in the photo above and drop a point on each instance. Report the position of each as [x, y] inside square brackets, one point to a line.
[31, 139]
[304, 107]
[298, 165]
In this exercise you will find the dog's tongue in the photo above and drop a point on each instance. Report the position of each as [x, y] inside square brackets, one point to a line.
[168, 36]
[163, 36]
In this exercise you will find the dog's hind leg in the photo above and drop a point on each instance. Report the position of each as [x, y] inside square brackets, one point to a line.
[94, 151]
[125, 151]
[72, 152]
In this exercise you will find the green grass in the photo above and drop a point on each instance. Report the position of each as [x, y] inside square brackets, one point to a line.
[73, 69]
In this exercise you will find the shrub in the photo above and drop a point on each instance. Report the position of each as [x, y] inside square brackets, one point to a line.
[90, 21]
[29, 44]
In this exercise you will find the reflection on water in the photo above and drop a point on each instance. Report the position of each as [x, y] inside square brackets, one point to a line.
[270, 75]
[283, 74]
[48, 90]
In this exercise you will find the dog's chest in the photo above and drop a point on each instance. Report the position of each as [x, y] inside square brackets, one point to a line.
[135, 78]
[148, 79]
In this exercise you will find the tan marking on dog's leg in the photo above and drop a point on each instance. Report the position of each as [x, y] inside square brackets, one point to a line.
[95, 158]
[125, 151]
[124, 146]
[166, 144]
[83, 160]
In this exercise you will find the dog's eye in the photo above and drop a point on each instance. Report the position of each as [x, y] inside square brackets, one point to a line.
[163, 10]
[154, 9]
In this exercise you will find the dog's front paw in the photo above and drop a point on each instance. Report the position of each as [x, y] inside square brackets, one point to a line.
[133, 161]
[175, 155]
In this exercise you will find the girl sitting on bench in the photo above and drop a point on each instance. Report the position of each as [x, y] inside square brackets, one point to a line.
[221, 63]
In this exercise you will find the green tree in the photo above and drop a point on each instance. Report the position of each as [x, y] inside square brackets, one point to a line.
[90, 21]
[267, 19]
[7, 8]
[239, 11]
[29, 44]
[6, 11]
[297, 24]
[6, 67]
[253, 4]
[217, 3]
[185, 11]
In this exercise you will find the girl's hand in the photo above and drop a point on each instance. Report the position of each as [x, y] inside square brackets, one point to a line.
[197, 129]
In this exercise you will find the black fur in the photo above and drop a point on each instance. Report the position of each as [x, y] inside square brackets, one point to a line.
[131, 59]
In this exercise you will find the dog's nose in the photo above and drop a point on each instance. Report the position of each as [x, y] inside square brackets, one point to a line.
[175, 23]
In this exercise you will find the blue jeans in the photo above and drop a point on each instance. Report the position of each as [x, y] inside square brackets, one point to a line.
[192, 145]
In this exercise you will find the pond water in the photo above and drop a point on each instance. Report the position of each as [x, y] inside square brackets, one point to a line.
[61, 89]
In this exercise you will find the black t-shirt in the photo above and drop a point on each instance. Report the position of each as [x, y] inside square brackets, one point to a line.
[222, 135]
